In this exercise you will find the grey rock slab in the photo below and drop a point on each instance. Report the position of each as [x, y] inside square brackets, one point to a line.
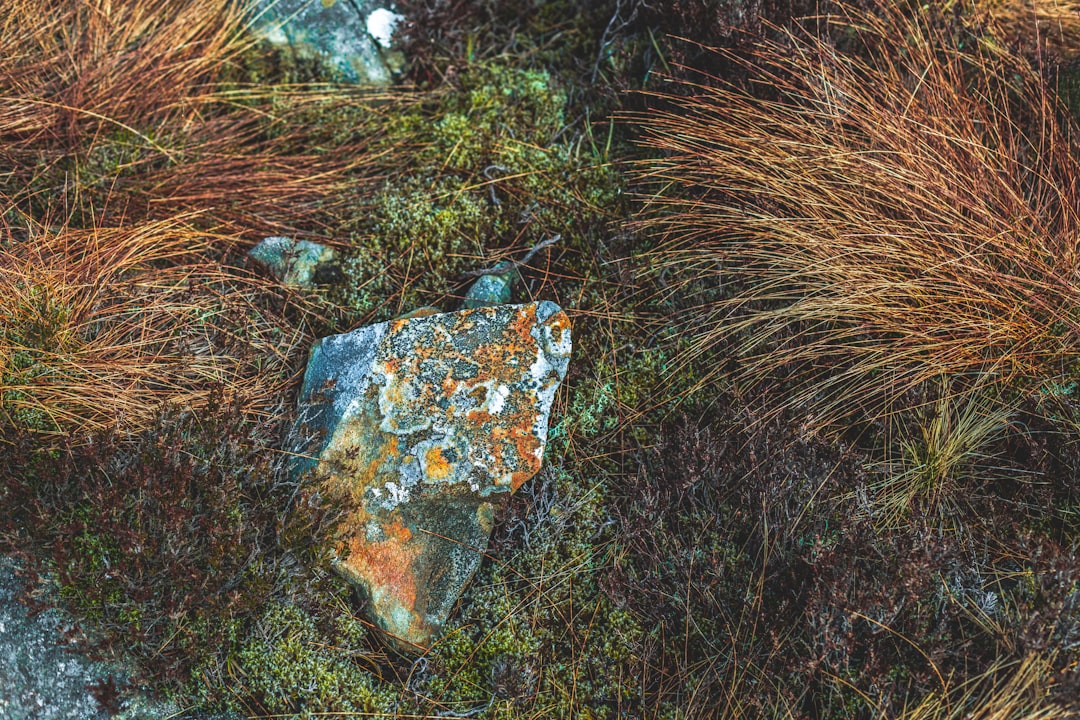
[421, 427]
[43, 676]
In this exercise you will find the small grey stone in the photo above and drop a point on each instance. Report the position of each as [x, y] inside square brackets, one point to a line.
[491, 289]
[43, 676]
[293, 262]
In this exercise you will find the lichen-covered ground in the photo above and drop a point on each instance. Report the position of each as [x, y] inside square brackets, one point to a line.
[817, 451]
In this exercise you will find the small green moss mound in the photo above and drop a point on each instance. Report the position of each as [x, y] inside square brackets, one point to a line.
[490, 168]
[295, 668]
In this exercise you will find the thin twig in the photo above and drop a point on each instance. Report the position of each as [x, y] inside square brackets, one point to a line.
[496, 270]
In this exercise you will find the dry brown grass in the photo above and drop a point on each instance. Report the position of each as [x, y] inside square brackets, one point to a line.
[132, 108]
[1009, 691]
[134, 169]
[1040, 25]
[67, 69]
[885, 216]
[100, 327]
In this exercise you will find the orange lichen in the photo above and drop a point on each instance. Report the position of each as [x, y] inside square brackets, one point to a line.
[559, 324]
[438, 467]
[386, 570]
[478, 417]
[398, 531]
[527, 445]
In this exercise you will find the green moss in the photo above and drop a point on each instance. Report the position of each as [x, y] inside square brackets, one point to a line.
[487, 168]
[296, 669]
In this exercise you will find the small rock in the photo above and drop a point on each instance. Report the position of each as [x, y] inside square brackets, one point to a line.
[293, 262]
[338, 30]
[491, 289]
[427, 424]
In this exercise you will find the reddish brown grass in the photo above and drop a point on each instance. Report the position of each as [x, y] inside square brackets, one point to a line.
[1052, 26]
[101, 326]
[888, 215]
[125, 107]
[135, 166]
[67, 69]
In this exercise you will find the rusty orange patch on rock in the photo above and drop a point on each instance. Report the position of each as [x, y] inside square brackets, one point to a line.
[438, 468]
[386, 573]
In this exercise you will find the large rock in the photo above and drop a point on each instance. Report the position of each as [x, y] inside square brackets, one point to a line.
[353, 35]
[425, 425]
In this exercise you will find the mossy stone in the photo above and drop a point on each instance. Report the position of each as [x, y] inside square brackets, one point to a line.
[293, 262]
[333, 30]
[491, 289]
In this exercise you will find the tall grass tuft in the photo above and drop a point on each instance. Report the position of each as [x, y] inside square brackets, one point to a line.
[135, 166]
[1052, 26]
[67, 69]
[1008, 691]
[133, 108]
[103, 325]
[873, 212]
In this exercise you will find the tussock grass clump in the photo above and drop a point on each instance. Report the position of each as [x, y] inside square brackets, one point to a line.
[101, 326]
[952, 442]
[114, 111]
[67, 69]
[137, 167]
[1017, 691]
[875, 218]
[1040, 25]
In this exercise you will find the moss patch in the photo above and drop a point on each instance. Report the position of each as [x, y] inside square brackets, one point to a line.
[490, 168]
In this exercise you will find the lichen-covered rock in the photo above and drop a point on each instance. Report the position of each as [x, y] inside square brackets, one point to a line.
[293, 262]
[425, 425]
[338, 30]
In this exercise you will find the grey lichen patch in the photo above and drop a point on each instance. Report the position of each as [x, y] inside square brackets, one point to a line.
[42, 674]
[425, 424]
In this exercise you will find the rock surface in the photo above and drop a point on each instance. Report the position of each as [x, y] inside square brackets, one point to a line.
[425, 425]
[39, 677]
[293, 262]
[45, 677]
[339, 30]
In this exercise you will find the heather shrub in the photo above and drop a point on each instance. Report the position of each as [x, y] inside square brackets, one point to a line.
[165, 543]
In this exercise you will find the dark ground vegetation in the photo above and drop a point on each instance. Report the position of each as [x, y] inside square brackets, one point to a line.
[817, 454]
